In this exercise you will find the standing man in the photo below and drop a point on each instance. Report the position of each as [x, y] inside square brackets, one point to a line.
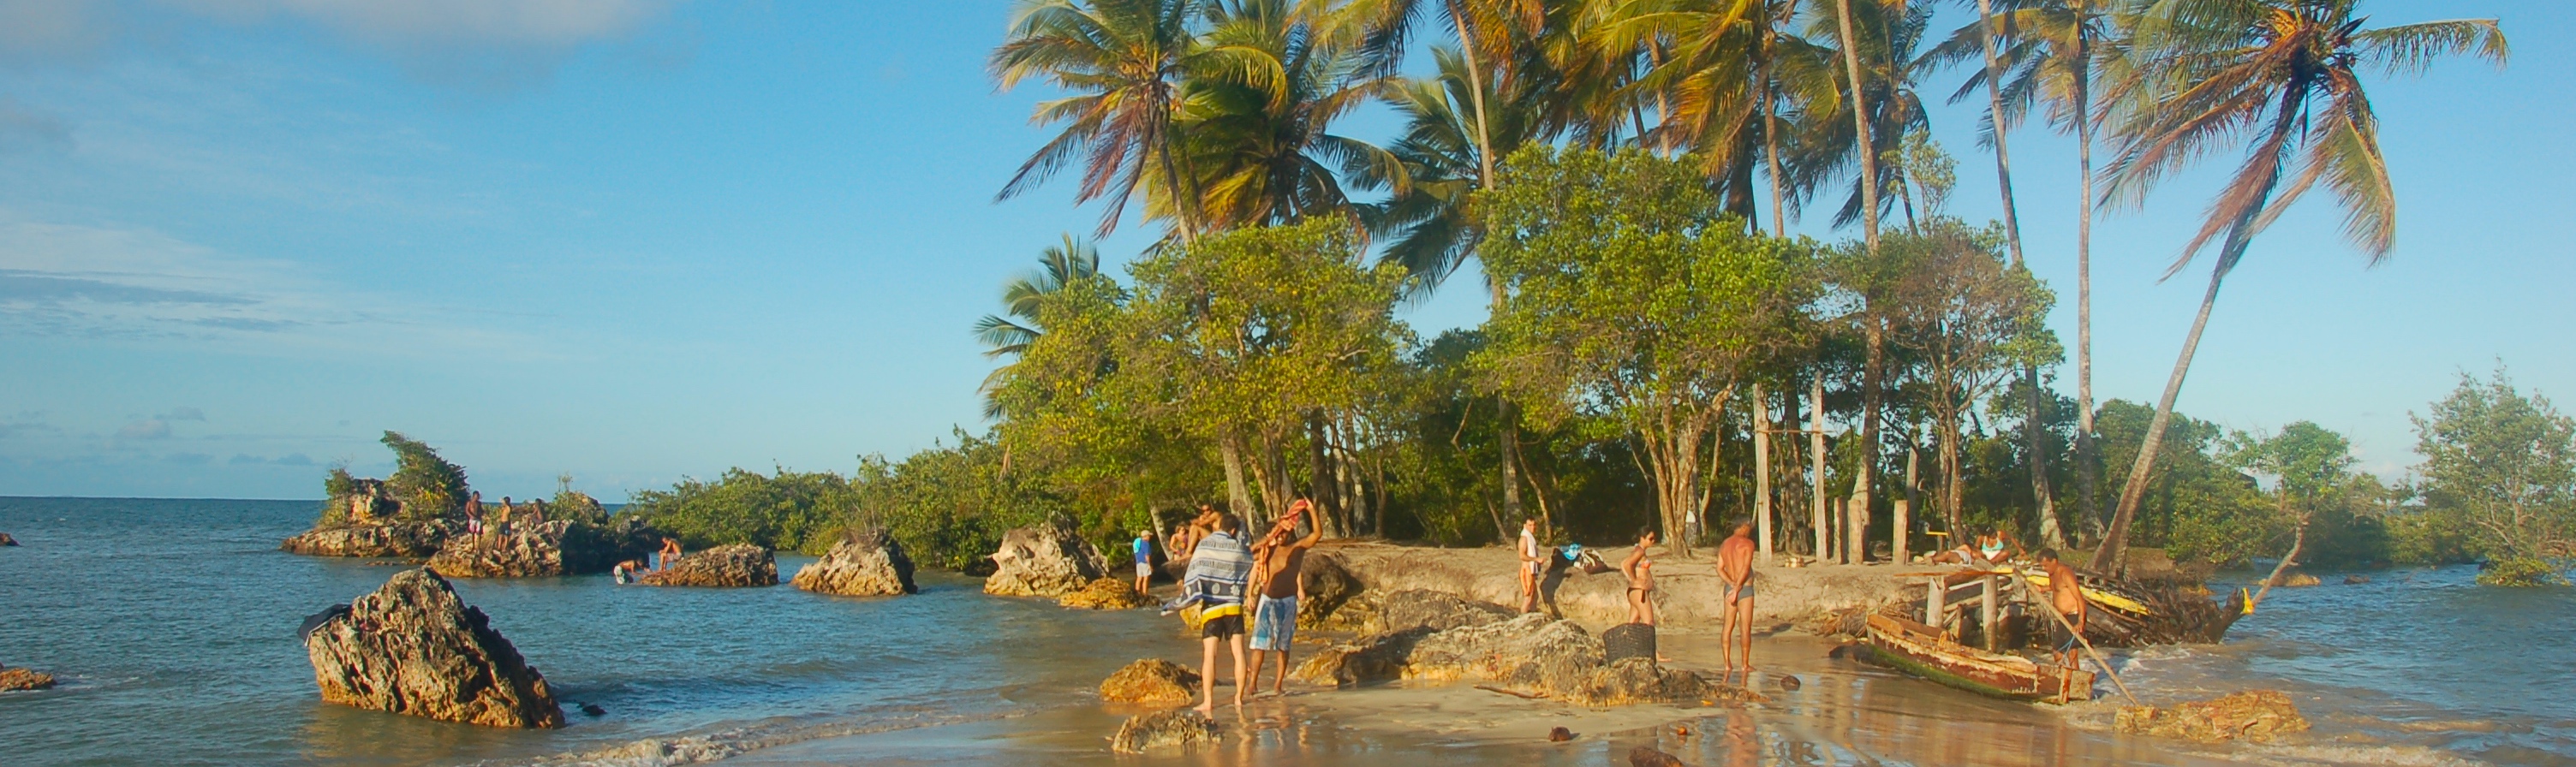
[2067, 595]
[1219, 568]
[474, 514]
[1532, 563]
[1735, 567]
[501, 519]
[1144, 559]
[1277, 567]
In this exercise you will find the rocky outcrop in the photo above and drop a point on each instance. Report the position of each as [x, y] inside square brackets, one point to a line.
[1530, 655]
[1106, 594]
[2255, 716]
[413, 647]
[1437, 611]
[1393, 624]
[1163, 729]
[15, 679]
[869, 564]
[739, 564]
[1155, 682]
[406, 540]
[2295, 580]
[1328, 587]
[555, 547]
[1044, 561]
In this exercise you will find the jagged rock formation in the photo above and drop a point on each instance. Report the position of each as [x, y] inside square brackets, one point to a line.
[2255, 716]
[1392, 624]
[15, 679]
[1531, 655]
[1153, 682]
[1106, 594]
[739, 564]
[1044, 561]
[413, 647]
[868, 564]
[1329, 586]
[1163, 729]
[555, 547]
[1437, 611]
[407, 540]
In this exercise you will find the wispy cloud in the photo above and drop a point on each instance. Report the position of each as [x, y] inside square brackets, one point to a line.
[23, 129]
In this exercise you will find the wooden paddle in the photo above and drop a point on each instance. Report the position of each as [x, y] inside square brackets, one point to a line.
[2051, 607]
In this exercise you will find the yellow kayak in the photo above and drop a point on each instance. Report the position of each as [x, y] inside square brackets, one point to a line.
[2039, 580]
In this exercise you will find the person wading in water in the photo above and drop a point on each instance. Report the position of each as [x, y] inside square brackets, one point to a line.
[1277, 564]
[1220, 567]
[2067, 595]
[1735, 568]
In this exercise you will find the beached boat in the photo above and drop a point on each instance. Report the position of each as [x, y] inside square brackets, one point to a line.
[1922, 651]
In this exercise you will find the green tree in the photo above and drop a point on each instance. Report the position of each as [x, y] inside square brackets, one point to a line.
[2308, 465]
[2287, 72]
[2502, 467]
[1972, 320]
[1009, 334]
[786, 510]
[1630, 296]
[427, 486]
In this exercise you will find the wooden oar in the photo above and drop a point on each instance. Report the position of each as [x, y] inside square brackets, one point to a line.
[2051, 607]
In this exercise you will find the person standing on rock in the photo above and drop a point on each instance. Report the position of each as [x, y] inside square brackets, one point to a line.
[1532, 563]
[1220, 567]
[474, 514]
[1735, 569]
[1144, 559]
[669, 555]
[1278, 563]
[501, 519]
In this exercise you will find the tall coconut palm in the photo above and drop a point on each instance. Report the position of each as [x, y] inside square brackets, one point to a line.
[1123, 60]
[1009, 334]
[1426, 222]
[1728, 66]
[2289, 73]
[1265, 100]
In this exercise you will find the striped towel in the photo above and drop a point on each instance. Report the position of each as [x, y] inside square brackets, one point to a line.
[1219, 571]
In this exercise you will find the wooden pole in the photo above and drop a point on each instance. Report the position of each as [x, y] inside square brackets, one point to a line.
[2051, 608]
[1762, 471]
[1933, 602]
[1986, 612]
[1816, 450]
[1856, 528]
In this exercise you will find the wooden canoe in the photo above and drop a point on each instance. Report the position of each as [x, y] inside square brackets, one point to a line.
[1922, 651]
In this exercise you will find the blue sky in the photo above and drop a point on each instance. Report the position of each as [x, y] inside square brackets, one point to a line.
[634, 240]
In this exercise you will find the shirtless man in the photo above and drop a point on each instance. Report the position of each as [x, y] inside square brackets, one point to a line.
[1735, 567]
[1532, 563]
[670, 553]
[2067, 595]
[1277, 562]
[1641, 579]
[474, 514]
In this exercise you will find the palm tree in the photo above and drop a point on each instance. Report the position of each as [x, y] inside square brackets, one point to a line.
[1265, 97]
[1425, 221]
[1123, 60]
[2288, 70]
[1009, 334]
[1729, 64]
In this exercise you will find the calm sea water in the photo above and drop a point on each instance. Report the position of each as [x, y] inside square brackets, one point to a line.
[172, 624]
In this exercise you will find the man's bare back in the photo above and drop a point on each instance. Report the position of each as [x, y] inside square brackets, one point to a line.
[1735, 562]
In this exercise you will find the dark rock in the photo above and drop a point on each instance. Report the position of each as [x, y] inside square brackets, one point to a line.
[1647, 756]
[5, 540]
[593, 710]
[1328, 586]
[410, 540]
[2355, 580]
[15, 679]
[1048, 560]
[1162, 729]
[1151, 681]
[1628, 640]
[1559, 735]
[554, 547]
[413, 647]
[1375, 658]
[1439, 611]
[733, 565]
[1106, 594]
[979, 567]
[1789, 682]
[866, 564]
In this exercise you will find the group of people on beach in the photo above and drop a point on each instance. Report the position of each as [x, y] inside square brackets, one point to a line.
[1734, 568]
[1229, 573]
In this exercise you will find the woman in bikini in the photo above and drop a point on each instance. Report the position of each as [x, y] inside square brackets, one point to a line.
[1641, 579]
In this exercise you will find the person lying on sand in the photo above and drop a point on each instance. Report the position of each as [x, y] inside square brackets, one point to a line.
[1278, 561]
[1735, 568]
[1219, 569]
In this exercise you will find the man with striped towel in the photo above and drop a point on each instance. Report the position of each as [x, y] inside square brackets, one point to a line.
[1220, 569]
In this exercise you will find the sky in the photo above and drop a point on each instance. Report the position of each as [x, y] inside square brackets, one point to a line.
[640, 240]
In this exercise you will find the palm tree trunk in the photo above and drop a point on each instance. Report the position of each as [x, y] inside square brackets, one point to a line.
[1762, 471]
[1860, 122]
[2115, 540]
[1485, 171]
[2088, 459]
[1995, 107]
[1816, 448]
[2297, 540]
[1872, 375]
[1771, 154]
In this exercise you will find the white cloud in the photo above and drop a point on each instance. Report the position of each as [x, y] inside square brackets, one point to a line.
[150, 428]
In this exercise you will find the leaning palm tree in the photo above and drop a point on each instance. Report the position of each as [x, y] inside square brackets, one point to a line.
[1123, 60]
[2289, 73]
[1010, 333]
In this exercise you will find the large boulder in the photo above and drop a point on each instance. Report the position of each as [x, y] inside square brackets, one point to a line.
[1163, 729]
[1151, 681]
[739, 564]
[1328, 587]
[406, 540]
[1044, 561]
[413, 647]
[865, 564]
[15, 679]
[2255, 716]
[1106, 594]
[554, 547]
[1375, 658]
[1544, 657]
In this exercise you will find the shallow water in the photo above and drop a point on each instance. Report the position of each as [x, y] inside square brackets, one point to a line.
[172, 624]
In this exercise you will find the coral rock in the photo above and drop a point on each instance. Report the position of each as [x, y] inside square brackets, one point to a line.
[1439, 611]
[1044, 561]
[12, 679]
[409, 540]
[2254, 715]
[1163, 729]
[1106, 594]
[1151, 681]
[413, 647]
[862, 565]
[739, 564]
[1644, 756]
[556, 547]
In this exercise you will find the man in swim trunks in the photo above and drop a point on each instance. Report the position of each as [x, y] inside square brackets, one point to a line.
[1532, 563]
[1144, 555]
[1735, 568]
[1277, 565]
[2067, 595]
[1219, 569]
[670, 553]
[474, 514]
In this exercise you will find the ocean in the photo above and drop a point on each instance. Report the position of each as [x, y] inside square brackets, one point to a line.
[172, 625]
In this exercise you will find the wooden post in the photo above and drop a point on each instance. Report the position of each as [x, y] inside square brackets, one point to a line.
[1986, 612]
[1816, 451]
[1856, 528]
[1933, 603]
[1904, 519]
[1762, 471]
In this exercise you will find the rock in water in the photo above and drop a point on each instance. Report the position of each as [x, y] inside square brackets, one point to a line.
[414, 648]
[1177, 727]
[739, 564]
[1628, 640]
[1647, 756]
[1044, 561]
[2349, 580]
[1559, 735]
[409, 540]
[14, 679]
[1438, 611]
[868, 564]
[5, 540]
[1106, 594]
[556, 547]
[2296, 580]
[2254, 715]
[1151, 681]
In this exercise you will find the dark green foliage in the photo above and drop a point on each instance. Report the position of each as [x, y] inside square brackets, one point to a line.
[950, 505]
[788, 510]
[2500, 469]
[575, 505]
[427, 486]
[337, 486]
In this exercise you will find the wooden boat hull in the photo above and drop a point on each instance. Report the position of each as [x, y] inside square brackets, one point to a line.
[1921, 651]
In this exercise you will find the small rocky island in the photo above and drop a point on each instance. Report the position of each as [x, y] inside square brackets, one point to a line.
[863, 564]
[413, 647]
[426, 511]
[733, 565]
[1048, 560]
